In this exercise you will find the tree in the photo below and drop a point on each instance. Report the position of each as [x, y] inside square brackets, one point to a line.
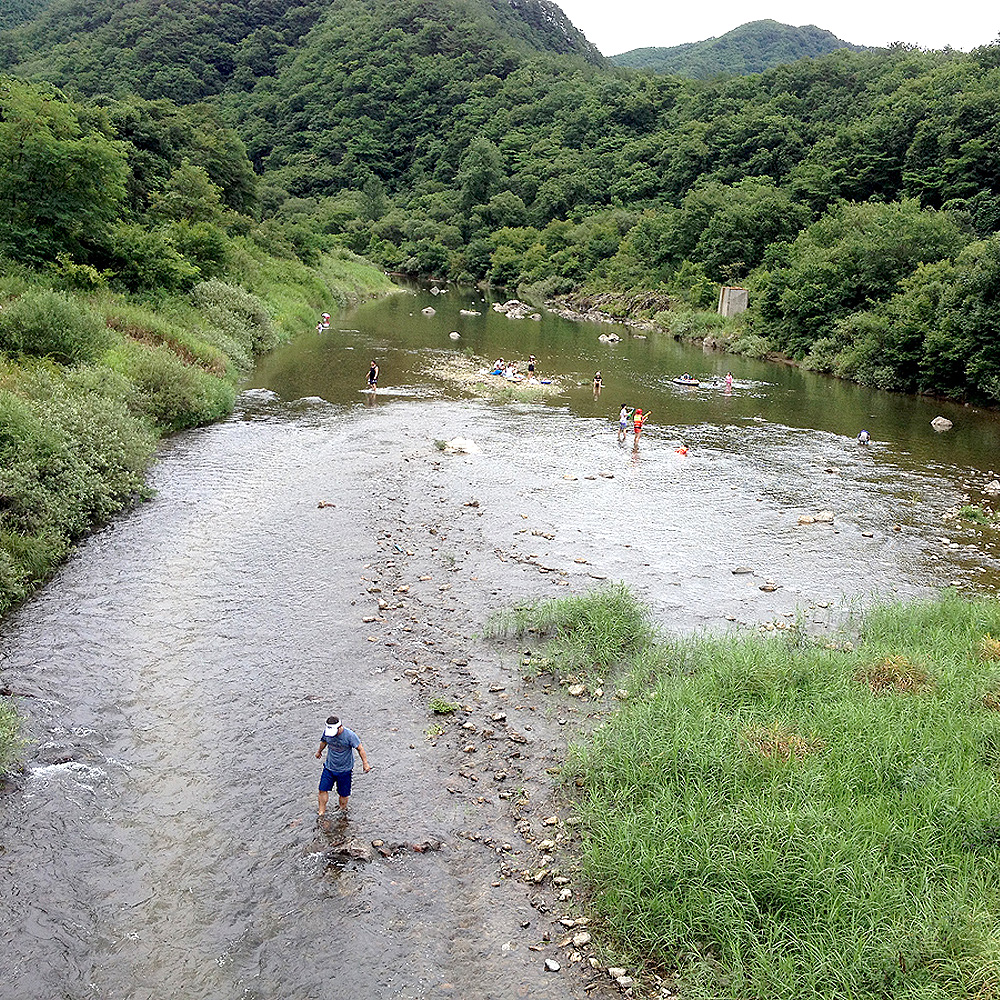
[850, 259]
[374, 203]
[61, 185]
[189, 196]
[480, 172]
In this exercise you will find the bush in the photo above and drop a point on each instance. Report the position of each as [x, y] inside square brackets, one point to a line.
[691, 324]
[203, 244]
[146, 259]
[170, 394]
[46, 323]
[238, 314]
[72, 455]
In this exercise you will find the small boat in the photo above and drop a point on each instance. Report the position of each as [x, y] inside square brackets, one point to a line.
[680, 380]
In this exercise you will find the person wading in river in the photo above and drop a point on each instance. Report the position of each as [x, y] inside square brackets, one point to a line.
[340, 744]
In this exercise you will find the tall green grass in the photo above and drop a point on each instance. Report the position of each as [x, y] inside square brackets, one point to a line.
[801, 823]
[598, 630]
[11, 741]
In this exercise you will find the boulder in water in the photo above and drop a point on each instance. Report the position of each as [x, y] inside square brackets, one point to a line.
[462, 446]
[941, 424]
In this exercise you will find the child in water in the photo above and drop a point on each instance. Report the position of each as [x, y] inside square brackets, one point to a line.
[623, 416]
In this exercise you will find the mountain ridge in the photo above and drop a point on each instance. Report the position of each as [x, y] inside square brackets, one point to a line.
[750, 48]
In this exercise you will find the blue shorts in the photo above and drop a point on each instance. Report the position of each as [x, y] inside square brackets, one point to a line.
[343, 780]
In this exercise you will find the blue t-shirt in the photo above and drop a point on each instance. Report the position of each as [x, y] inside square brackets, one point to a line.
[339, 749]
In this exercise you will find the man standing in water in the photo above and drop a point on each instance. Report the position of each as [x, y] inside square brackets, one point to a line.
[340, 744]
[373, 377]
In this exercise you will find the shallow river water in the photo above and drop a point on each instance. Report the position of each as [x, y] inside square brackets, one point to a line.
[175, 674]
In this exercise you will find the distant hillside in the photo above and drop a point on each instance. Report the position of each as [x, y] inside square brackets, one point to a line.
[384, 85]
[15, 12]
[750, 48]
[187, 50]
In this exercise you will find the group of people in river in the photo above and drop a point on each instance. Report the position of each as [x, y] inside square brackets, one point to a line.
[510, 370]
[635, 418]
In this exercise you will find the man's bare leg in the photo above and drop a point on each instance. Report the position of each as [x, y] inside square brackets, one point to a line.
[323, 798]
[343, 802]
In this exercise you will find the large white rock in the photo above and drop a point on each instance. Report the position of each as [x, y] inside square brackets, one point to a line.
[463, 446]
[941, 424]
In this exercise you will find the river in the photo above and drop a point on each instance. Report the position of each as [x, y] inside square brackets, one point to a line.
[318, 552]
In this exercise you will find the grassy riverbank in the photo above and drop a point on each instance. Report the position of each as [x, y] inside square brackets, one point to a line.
[89, 382]
[778, 819]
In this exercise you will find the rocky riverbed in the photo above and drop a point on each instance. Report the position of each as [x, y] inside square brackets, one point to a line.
[420, 604]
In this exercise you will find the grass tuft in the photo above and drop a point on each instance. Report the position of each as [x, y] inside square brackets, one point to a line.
[894, 673]
[780, 741]
[602, 629]
[989, 648]
[975, 514]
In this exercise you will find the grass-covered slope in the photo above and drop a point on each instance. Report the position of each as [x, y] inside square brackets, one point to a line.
[90, 381]
[782, 820]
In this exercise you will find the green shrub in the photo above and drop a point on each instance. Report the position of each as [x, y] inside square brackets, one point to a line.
[203, 244]
[751, 345]
[690, 324]
[238, 314]
[822, 355]
[46, 323]
[147, 259]
[169, 393]
[72, 455]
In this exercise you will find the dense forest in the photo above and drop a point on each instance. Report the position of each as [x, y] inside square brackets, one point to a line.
[750, 48]
[856, 194]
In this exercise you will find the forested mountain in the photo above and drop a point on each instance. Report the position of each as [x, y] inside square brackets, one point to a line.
[186, 50]
[15, 12]
[750, 48]
[183, 50]
[487, 139]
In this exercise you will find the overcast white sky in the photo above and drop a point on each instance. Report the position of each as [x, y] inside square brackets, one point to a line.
[619, 25]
